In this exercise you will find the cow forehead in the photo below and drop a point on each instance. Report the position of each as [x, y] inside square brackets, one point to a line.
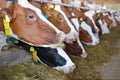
[57, 8]
[90, 15]
[26, 4]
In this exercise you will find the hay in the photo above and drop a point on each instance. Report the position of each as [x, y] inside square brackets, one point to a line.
[85, 68]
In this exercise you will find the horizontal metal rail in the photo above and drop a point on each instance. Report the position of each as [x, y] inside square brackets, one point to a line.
[62, 4]
[68, 5]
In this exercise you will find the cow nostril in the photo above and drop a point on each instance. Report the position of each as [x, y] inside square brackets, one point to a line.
[97, 43]
[72, 67]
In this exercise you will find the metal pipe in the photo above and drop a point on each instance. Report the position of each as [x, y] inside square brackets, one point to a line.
[62, 4]
[67, 5]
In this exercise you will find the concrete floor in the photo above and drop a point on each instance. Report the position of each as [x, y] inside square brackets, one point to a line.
[111, 70]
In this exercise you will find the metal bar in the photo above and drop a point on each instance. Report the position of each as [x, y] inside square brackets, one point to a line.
[62, 4]
[67, 5]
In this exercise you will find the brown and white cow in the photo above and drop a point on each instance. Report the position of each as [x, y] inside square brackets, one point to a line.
[86, 24]
[102, 22]
[59, 20]
[33, 29]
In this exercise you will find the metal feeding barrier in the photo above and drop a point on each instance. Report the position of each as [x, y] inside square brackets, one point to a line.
[69, 5]
[62, 4]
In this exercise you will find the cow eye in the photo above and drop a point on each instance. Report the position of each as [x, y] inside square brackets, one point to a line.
[31, 17]
[60, 19]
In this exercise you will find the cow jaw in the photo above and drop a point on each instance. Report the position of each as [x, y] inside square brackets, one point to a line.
[69, 66]
[86, 27]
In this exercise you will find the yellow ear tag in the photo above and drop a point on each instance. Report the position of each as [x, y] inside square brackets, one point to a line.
[7, 25]
[7, 19]
[32, 49]
[34, 54]
[52, 6]
[81, 19]
[98, 15]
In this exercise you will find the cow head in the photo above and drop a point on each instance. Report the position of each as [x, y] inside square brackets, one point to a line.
[102, 22]
[29, 28]
[56, 16]
[23, 26]
[86, 24]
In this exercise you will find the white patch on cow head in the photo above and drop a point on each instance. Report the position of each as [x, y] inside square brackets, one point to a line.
[84, 53]
[80, 44]
[104, 27]
[71, 36]
[69, 66]
[86, 27]
[113, 19]
[89, 14]
[72, 14]
[117, 18]
[76, 23]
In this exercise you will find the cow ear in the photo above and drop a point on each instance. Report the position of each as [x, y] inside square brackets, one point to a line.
[13, 11]
[10, 13]
[6, 11]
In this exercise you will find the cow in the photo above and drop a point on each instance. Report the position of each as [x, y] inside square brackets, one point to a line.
[32, 29]
[57, 18]
[102, 23]
[86, 24]
[89, 13]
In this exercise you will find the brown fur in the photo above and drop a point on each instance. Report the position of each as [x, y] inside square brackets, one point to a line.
[107, 20]
[85, 35]
[73, 49]
[3, 3]
[58, 20]
[54, 17]
[96, 18]
[30, 28]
